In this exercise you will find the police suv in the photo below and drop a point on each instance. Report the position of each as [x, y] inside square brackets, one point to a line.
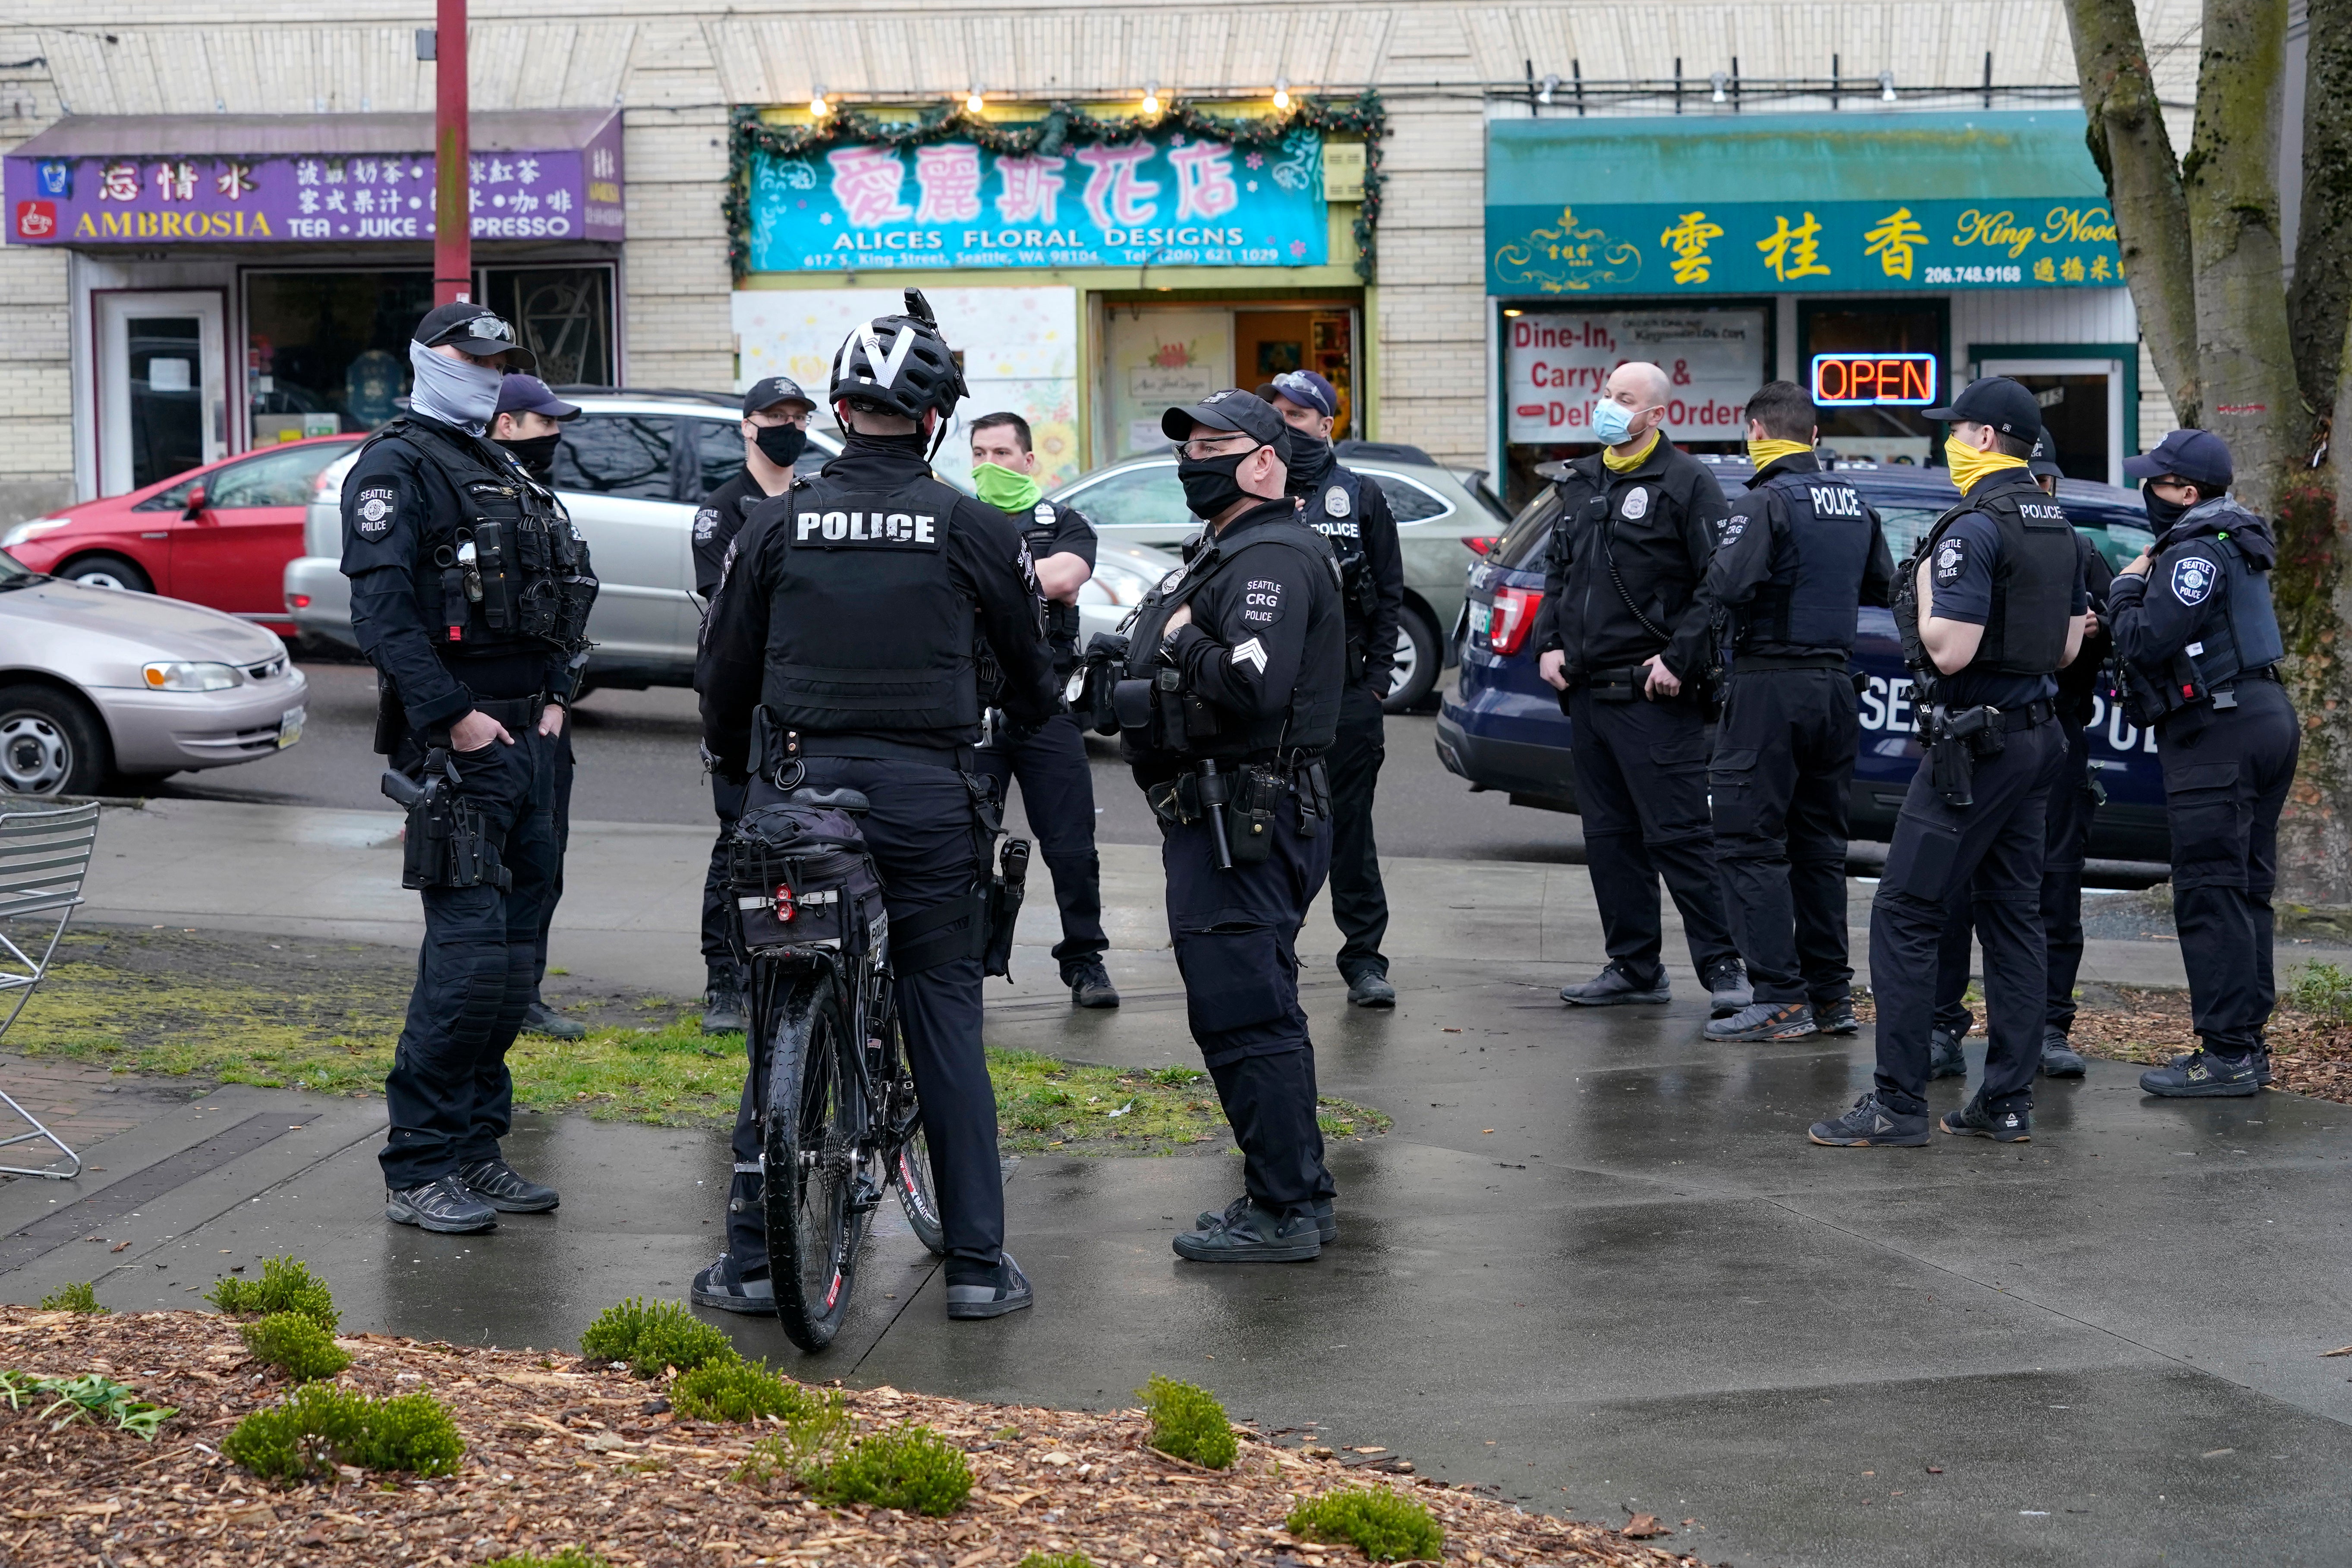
[1502, 727]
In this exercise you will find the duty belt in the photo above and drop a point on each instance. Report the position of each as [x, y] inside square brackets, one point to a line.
[1615, 685]
[517, 713]
[1746, 663]
[2040, 711]
[1187, 798]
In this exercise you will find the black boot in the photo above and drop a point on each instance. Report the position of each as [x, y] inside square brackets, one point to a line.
[1089, 984]
[724, 1012]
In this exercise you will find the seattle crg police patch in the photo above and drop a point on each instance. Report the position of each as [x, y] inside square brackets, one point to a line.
[2192, 579]
[1261, 602]
[373, 513]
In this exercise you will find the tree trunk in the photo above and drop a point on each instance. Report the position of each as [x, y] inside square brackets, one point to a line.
[2133, 150]
[2316, 305]
[2245, 355]
[2314, 595]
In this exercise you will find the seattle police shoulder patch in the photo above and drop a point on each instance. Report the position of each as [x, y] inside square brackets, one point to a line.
[2192, 579]
[1951, 556]
[372, 513]
[706, 525]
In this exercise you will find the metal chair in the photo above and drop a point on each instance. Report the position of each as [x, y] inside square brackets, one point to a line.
[44, 856]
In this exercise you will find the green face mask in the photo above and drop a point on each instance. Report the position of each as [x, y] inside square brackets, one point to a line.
[1005, 489]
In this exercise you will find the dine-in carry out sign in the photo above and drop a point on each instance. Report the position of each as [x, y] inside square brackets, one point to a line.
[1555, 362]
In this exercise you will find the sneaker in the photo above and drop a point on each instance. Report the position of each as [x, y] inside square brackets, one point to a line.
[1944, 1057]
[722, 1009]
[1976, 1119]
[505, 1189]
[1727, 982]
[1612, 987]
[1007, 1290]
[1836, 1018]
[2262, 1063]
[1372, 989]
[2059, 1058]
[733, 1289]
[2201, 1075]
[444, 1204]
[542, 1019]
[1327, 1224]
[1870, 1125]
[1089, 984]
[1765, 1021]
[1253, 1236]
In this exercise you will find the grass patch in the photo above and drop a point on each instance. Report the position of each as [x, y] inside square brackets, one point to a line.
[319, 1427]
[1057, 1559]
[570, 1557]
[287, 1285]
[912, 1468]
[1069, 1108]
[2322, 989]
[1188, 1422]
[295, 1346]
[79, 1297]
[86, 1399]
[738, 1391]
[649, 1338]
[810, 1434]
[1385, 1527]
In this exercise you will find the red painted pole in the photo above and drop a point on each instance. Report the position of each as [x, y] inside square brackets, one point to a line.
[453, 231]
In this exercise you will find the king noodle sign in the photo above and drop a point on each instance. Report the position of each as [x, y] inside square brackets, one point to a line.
[1169, 199]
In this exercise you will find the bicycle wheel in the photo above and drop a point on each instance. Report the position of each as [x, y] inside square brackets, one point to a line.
[814, 1123]
[911, 1173]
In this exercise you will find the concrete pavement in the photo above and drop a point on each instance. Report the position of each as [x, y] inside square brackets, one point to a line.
[1595, 1264]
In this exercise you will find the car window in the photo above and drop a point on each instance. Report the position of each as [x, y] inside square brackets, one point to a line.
[719, 454]
[618, 455]
[1408, 501]
[1906, 526]
[275, 477]
[1522, 542]
[1149, 496]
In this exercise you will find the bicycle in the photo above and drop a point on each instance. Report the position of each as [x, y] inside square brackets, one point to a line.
[839, 1119]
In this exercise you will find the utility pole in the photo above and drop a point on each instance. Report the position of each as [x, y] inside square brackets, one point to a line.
[453, 218]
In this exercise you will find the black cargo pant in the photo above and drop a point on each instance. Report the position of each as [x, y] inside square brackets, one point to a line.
[920, 833]
[1360, 903]
[448, 1097]
[718, 911]
[1641, 782]
[2066, 847]
[1235, 934]
[565, 765]
[1781, 784]
[1993, 850]
[2223, 791]
[1057, 794]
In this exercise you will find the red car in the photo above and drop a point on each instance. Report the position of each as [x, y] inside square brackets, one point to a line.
[218, 536]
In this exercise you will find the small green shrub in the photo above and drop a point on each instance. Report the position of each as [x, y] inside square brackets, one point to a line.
[810, 1432]
[80, 1297]
[1188, 1422]
[1059, 1560]
[738, 1391]
[295, 1346]
[2324, 989]
[651, 1337]
[1386, 1527]
[287, 1285]
[912, 1468]
[570, 1557]
[86, 1399]
[320, 1427]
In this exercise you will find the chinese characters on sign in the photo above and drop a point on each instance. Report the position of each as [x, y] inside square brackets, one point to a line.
[1554, 364]
[1168, 199]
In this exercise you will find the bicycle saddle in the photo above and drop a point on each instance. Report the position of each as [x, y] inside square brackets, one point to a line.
[849, 800]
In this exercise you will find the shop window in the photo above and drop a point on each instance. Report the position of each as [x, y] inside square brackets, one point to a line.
[562, 314]
[1146, 496]
[326, 352]
[617, 455]
[1409, 501]
[1887, 432]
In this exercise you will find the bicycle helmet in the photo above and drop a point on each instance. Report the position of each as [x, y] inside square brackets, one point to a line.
[899, 363]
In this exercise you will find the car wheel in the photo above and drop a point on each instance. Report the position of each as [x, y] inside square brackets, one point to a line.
[109, 572]
[51, 744]
[1420, 660]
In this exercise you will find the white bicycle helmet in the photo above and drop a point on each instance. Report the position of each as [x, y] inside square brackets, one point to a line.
[900, 363]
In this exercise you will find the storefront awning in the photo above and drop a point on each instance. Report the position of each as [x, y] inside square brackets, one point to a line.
[156, 179]
[1768, 203]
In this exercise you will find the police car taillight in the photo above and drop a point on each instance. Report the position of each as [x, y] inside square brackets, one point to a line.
[785, 908]
[1513, 617]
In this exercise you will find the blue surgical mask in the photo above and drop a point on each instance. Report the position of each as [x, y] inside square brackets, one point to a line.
[1612, 422]
[454, 391]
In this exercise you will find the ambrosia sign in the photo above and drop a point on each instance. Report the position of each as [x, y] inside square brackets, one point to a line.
[1169, 199]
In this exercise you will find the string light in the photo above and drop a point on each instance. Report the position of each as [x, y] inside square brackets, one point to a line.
[1282, 93]
[1151, 98]
[972, 102]
[817, 105]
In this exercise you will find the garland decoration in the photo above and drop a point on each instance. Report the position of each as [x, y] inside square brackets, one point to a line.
[1065, 124]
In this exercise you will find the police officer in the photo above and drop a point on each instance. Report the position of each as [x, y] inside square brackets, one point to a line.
[470, 597]
[2066, 841]
[2201, 646]
[876, 575]
[1234, 678]
[1353, 513]
[1626, 636]
[1992, 611]
[530, 424]
[1057, 783]
[1800, 552]
[775, 432]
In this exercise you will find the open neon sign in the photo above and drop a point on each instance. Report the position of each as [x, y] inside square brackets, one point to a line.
[1899, 379]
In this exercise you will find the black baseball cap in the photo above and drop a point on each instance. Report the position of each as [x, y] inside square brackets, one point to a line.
[476, 331]
[768, 390]
[2198, 456]
[1233, 409]
[2045, 459]
[524, 393]
[2008, 406]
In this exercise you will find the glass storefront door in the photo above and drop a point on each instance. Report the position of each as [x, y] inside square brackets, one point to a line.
[2082, 407]
[160, 403]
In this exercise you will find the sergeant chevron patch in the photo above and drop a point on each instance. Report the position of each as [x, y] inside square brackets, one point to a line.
[1251, 652]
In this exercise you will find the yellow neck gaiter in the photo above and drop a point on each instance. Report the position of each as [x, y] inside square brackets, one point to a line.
[1764, 454]
[1969, 464]
[1618, 465]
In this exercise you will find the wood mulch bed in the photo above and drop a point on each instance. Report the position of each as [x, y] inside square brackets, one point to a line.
[562, 1454]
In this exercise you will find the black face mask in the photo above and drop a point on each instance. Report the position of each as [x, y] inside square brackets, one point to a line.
[536, 454]
[782, 443]
[2161, 511]
[1212, 485]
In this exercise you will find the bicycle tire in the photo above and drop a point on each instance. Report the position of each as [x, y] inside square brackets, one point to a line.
[815, 1123]
[911, 1173]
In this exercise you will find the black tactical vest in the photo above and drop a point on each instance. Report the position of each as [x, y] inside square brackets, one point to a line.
[512, 564]
[868, 631]
[1809, 604]
[1041, 529]
[1334, 508]
[2239, 630]
[2033, 584]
